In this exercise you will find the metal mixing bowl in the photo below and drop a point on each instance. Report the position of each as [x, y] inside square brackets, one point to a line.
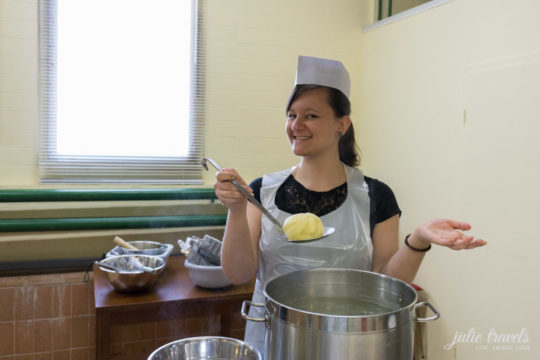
[206, 347]
[130, 277]
[144, 247]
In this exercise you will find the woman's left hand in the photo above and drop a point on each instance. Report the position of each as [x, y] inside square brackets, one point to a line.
[444, 232]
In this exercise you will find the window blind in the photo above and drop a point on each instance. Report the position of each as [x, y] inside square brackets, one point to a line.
[56, 168]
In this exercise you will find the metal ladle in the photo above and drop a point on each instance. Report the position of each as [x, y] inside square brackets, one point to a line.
[327, 230]
[106, 266]
[138, 266]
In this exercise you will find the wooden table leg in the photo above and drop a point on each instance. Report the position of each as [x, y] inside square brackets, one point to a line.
[103, 335]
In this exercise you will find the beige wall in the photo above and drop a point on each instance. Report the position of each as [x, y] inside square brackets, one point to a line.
[252, 51]
[251, 58]
[18, 92]
[445, 106]
[449, 117]
[252, 54]
[399, 6]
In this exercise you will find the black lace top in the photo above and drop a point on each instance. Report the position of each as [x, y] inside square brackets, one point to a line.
[294, 198]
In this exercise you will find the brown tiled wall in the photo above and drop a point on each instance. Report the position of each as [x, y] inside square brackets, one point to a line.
[46, 317]
[52, 317]
[137, 341]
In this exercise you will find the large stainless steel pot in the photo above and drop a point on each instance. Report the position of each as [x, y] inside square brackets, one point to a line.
[323, 314]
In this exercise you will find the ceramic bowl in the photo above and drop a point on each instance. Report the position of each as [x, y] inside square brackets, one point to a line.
[207, 276]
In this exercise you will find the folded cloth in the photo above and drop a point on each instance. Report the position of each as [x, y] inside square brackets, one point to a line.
[210, 250]
[205, 251]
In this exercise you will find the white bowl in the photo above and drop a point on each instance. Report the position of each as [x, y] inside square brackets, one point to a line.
[207, 276]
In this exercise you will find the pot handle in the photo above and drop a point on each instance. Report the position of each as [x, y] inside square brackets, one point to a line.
[244, 311]
[426, 319]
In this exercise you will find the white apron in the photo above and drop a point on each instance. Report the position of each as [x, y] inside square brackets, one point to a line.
[349, 247]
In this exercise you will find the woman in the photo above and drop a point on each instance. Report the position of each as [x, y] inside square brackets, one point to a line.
[363, 211]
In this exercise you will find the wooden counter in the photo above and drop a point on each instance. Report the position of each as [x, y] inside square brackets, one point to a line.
[174, 298]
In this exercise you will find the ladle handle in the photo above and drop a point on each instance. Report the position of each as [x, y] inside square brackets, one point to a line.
[258, 204]
[246, 194]
[105, 266]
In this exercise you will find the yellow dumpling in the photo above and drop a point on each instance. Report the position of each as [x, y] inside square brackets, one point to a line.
[303, 226]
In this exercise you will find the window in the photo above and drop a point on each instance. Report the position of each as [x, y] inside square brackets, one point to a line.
[121, 86]
[387, 8]
[383, 12]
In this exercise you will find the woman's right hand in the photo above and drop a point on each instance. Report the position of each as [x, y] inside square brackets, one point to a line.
[229, 195]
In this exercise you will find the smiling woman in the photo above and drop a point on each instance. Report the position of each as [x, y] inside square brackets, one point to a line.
[120, 101]
[309, 114]
[362, 210]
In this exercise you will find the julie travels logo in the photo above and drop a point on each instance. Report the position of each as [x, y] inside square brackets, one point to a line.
[492, 340]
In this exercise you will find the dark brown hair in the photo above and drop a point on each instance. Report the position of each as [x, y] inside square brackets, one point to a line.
[348, 149]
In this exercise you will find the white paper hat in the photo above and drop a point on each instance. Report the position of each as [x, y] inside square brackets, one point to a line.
[326, 72]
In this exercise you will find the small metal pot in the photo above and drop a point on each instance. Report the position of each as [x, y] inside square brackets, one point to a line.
[341, 314]
[206, 347]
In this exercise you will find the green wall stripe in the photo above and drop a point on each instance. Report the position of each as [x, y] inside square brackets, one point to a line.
[14, 225]
[38, 195]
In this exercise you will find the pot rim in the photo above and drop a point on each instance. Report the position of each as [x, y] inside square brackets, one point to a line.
[383, 276]
[348, 323]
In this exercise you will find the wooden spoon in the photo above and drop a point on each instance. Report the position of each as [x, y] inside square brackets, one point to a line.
[121, 242]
